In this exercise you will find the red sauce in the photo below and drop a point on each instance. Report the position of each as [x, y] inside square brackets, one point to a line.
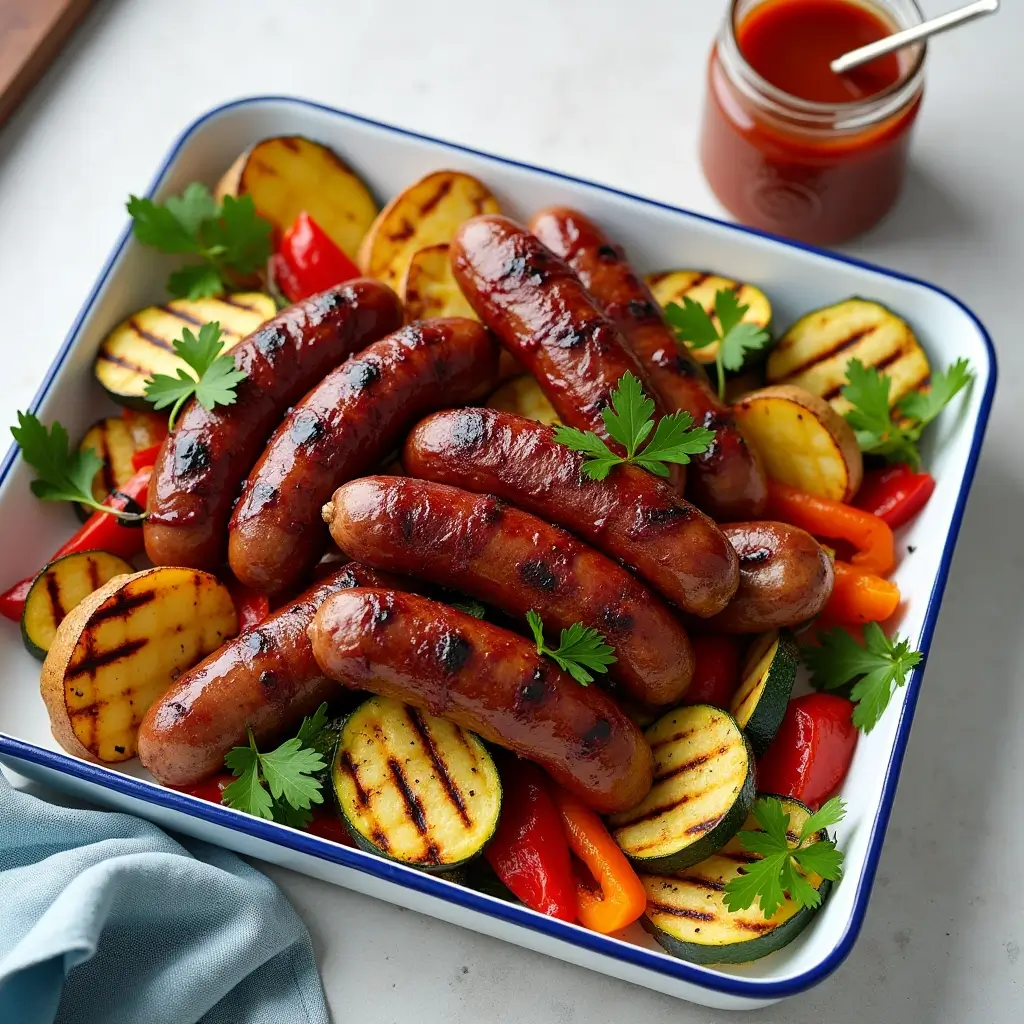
[776, 166]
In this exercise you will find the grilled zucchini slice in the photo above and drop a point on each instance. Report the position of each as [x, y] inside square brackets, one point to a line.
[144, 343]
[766, 684]
[62, 586]
[814, 352]
[675, 285]
[687, 915]
[703, 791]
[122, 647]
[523, 396]
[415, 788]
[115, 439]
[429, 288]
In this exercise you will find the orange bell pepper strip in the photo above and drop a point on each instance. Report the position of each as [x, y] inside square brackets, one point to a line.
[622, 897]
[858, 597]
[822, 517]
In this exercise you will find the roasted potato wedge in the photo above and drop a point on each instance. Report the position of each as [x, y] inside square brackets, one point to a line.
[289, 174]
[429, 288]
[122, 647]
[425, 214]
[523, 396]
[802, 441]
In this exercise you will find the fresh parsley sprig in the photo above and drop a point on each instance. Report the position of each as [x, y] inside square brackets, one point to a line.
[876, 669]
[62, 473]
[288, 771]
[230, 238]
[216, 377]
[630, 420]
[581, 651]
[784, 865]
[895, 438]
[735, 337]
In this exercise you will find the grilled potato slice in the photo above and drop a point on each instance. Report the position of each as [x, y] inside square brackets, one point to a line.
[425, 214]
[523, 396]
[288, 174]
[115, 439]
[675, 285]
[122, 647]
[144, 343]
[814, 352]
[802, 441]
[429, 288]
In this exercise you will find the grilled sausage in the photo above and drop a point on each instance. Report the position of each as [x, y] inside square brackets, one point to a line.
[785, 579]
[514, 561]
[540, 311]
[201, 465]
[727, 481]
[488, 680]
[343, 428]
[265, 678]
[631, 515]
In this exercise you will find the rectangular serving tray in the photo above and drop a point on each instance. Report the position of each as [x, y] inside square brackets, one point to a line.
[796, 278]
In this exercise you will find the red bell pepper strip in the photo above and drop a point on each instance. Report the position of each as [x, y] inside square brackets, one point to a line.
[529, 851]
[812, 751]
[876, 550]
[252, 606]
[895, 494]
[716, 669]
[145, 457]
[308, 261]
[12, 604]
[858, 597]
[327, 825]
[620, 898]
[210, 789]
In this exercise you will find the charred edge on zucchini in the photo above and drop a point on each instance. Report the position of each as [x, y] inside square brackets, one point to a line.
[766, 685]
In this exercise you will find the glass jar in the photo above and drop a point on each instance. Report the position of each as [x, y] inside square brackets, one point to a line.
[817, 172]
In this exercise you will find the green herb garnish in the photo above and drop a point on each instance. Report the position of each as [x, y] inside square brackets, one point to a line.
[581, 650]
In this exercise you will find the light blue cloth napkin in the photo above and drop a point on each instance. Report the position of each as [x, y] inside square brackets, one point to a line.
[104, 919]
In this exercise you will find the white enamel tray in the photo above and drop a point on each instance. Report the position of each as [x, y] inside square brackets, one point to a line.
[797, 279]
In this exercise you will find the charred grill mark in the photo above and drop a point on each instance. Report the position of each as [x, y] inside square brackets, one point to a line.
[687, 912]
[178, 710]
[657, 812]
[703, 826]
[530, 268]
[154, 339]
[191, 456]
[289, 143]
[439, 194]
[53, 594]
[450, 789]
[535, 689]
[740, 857]
[608, 254]
[268, 680]
[698, 280]
[179, 314]
[535, 573]
[358, 375]
[263, 493]
[306, 428]
[714, 884]
[413, 804]
[838, 346]
[347, 763]
[651, 519]
[756, 556]
[121, 604]
[597, 735]
[94, 574]
[347, 580]
[257, 642]
[453, 652]
[880, 365]
[567, 336]
[109, 357]
[407, 523]
[694, 762]
[380, 840]
[758, 927]
[641, 310]
[92, 662]
[615, 620]
[271, 341]
[230, 300]
[674, 738]
[469, 431]
[405, 232]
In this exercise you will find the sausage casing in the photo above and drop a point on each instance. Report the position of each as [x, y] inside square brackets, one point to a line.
[202, 464]
[488, 680]
[266, 678]
[344, 427]
[631, 515]
[727, 481]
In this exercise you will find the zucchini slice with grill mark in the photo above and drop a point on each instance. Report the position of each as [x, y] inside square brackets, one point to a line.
[60, 588]
[766, 685]
[415, 788]
[144, 343]
[687, 916]
[703, 790]
[814, 352]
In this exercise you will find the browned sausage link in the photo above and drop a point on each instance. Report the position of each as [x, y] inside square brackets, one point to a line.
[631, 515]
[488, 680]
[266, 678]
[785, 579]
[727, 481]
[201, 465]
[514, 561]
[344, 427]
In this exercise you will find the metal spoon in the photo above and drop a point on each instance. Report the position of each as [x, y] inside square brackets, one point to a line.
[863, 54]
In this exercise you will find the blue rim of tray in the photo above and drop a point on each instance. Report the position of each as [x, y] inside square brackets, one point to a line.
[660, 963]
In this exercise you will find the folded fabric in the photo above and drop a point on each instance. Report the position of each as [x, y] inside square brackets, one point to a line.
[107, 920]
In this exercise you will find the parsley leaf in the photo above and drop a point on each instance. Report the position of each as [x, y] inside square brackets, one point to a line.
[630, 421]
[581, 650]
[62, 474]
[230, 239]
[876, 669]
[783, 865]
[216, 376]
[246, 793]
[470, 607]
[734, 336]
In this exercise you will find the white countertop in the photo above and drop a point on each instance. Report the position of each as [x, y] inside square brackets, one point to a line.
[610, 91]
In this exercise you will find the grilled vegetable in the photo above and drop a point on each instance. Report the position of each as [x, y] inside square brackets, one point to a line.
[415, 788]
[814, 352]
[117, 440]
[523, 396]
[802, 441]
[144, 344]
[677, 285]
[121, 648]
[289, 174]
[703, 791]
[766, 684]
[687, 916]
[61, 587]
[426, 213]
[429, 288]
